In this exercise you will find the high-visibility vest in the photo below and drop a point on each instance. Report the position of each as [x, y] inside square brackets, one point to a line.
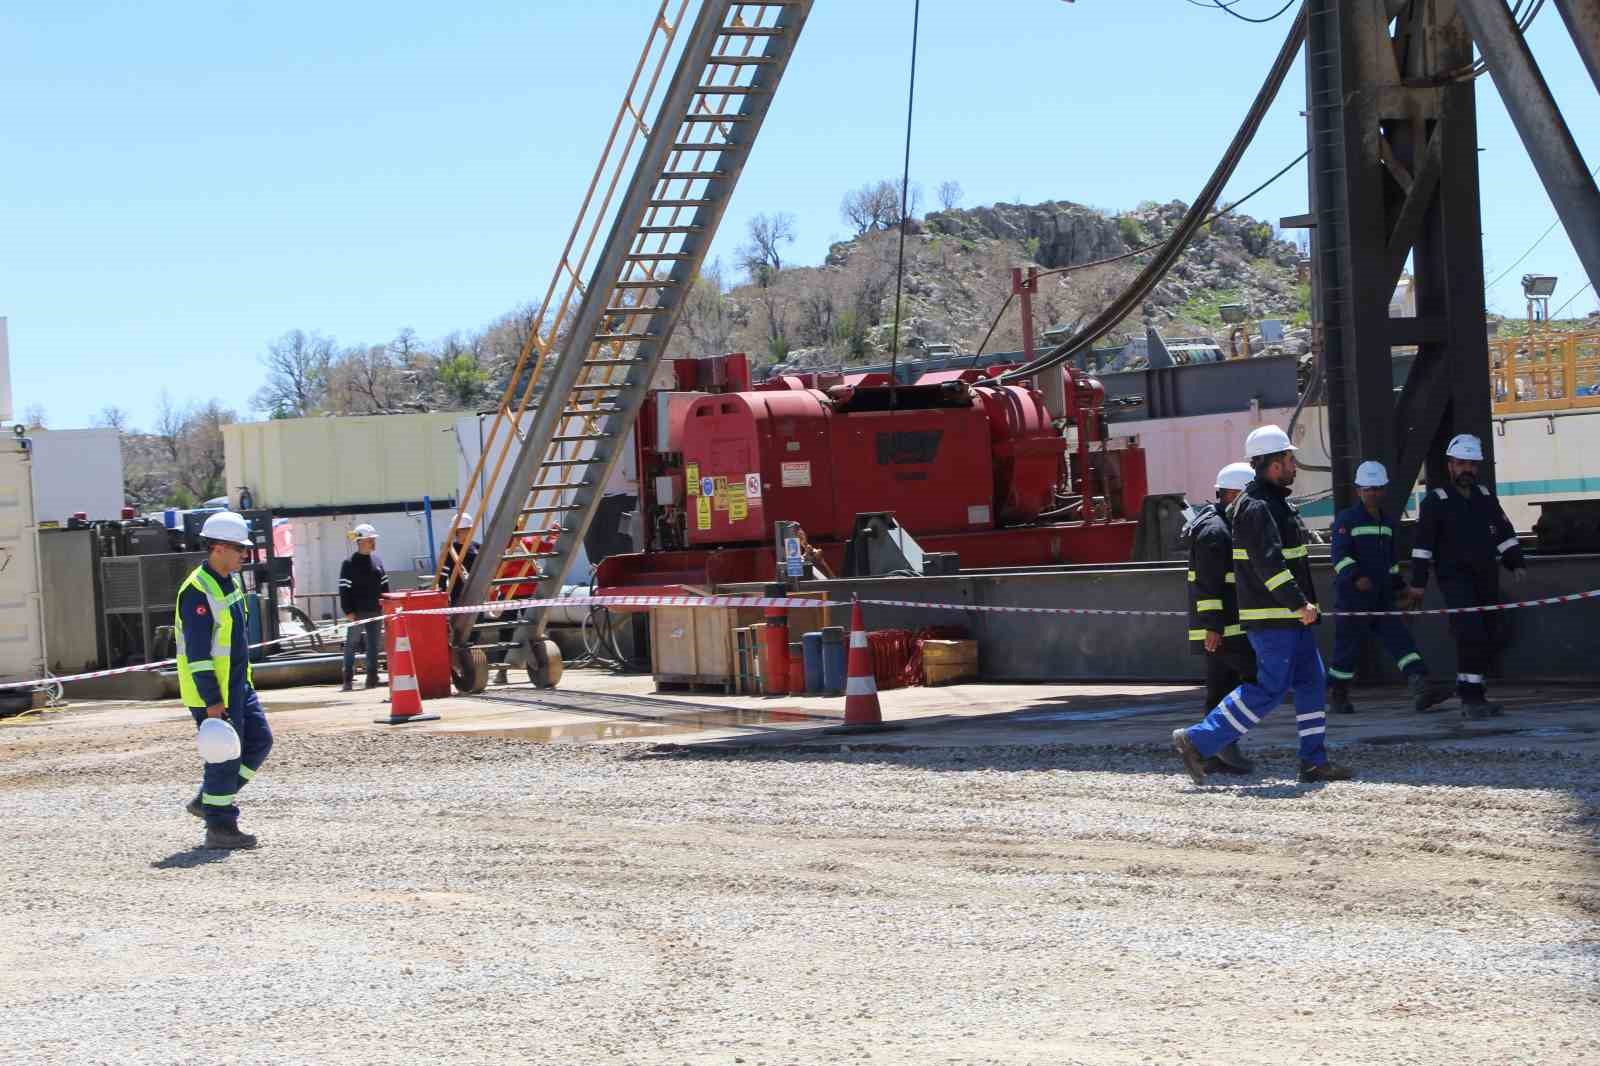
[221, 662]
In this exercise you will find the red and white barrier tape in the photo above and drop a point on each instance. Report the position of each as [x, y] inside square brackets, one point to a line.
[790, 601]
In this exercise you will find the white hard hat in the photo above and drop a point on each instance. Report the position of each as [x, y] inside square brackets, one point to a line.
[363, 532]
[1465, 446]
[227, 526]
[464, 520]
[1235, 476]
[217, 741]
[1371, 475]
[1267, 440]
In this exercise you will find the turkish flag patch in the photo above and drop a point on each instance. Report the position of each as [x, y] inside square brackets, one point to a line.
[200, 609]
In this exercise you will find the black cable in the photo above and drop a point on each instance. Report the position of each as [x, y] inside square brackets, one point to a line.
[1151, 275]
[1219, 5]
[905, 199]
[1501, 276]
[1574, 296]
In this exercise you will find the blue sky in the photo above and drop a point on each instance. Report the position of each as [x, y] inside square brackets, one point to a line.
[180, 183]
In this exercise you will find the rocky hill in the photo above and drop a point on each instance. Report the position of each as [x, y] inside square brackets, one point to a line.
[957, 277]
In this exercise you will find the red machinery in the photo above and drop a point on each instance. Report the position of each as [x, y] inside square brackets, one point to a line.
[966, 465]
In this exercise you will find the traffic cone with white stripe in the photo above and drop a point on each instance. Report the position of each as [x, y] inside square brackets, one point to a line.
[405, 700]
[861, 710]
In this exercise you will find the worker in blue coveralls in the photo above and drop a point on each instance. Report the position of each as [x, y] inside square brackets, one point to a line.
[1463, 530]
[1366, 577]
[214, 673]
[1273, 579]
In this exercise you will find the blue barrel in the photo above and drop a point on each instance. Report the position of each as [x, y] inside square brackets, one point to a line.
[169, 517]
[252, 627]
[811, 651]
[835, 656]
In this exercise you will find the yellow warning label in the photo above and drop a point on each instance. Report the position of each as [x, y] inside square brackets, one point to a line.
[722, 486]
[738, 510]
[691, 478]
[702, 507]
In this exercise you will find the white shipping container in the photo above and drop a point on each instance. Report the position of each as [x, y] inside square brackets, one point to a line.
[22, 651]
[341, 462]
[322, 544]
[77, 470]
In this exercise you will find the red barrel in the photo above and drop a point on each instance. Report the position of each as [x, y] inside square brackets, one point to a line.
[430, 638]
[775, 657]
[797, 669]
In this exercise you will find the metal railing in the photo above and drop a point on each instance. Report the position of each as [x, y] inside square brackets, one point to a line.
[1545, 372]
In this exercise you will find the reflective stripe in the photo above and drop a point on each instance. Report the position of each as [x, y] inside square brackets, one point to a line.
[217, 801]
[1471, 679]
[1395, 569]
[1197, 634]
[1311, 716]
[1505, 545]
[1372, 531]
[1222, 709]
[204, 666]
[402, 683]
[1260, 614]
[1238, 705]
[1313, 731]
[1421, 553]
[1441, 494]
[1193, 576]
[1233, 631]
[860, 686]
[1278, 580]
[402, 644]
[1240, 553]
[1229, 578]
[1340, 674]
[1295, 553]
[1343, 564]
[247, 773]
[1406, 660]
[1208, 605]
[858, 639]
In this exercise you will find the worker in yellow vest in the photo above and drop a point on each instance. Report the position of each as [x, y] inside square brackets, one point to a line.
[214, 673]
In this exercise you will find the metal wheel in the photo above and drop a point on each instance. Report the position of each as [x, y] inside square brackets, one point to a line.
[469, 669]
[544, 664]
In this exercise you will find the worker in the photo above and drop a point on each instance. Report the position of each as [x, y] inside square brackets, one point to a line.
[214, 673]
[1462, 529]
[1214, 629]
[467, 549]
[362, 583]
[1366, 577]
[1272, 577]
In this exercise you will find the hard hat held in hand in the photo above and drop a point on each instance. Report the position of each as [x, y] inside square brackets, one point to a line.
[1371, 475]
[1235, 476]
[227, 527]
[217, 741]
[1465, 446]
[1267, 440]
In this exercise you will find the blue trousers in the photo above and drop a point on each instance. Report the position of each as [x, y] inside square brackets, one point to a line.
[369, 633]
[223, 780]
[1286, 660]
[1349, 634]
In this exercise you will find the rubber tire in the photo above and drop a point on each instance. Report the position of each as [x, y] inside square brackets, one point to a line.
[549, 674]
[469, 670]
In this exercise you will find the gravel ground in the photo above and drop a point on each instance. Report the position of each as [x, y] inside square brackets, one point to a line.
[465, 899]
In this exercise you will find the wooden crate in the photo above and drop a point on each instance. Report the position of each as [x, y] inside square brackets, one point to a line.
[692, 645]
[946, 662]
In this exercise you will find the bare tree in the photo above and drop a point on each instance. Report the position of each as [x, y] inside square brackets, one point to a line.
[949, 195]
[364, 381]
[709, 316]
[34, 417]
[202, 460]
[171, 422]
[297, 375]
[761, 255]
[876, 206]
[112, 417]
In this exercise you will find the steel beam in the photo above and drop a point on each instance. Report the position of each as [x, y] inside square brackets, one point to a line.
[1538, 120]
[1583, 22]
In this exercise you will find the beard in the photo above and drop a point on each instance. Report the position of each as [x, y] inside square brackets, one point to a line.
[1465, 480]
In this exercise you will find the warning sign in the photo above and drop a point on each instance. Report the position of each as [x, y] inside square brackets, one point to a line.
[738, 510]
[797, 475]
[752, 486]
[691, 474]
[702, 507]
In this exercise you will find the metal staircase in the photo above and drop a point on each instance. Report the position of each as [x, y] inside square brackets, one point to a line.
[563, 422]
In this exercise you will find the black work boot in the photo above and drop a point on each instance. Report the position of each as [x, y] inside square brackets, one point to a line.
[1339, 698]
[1230, 760]
[1425, 695]
[372, 681]
[1193, 762]
[195, 807]
[228, 837]
[1326, 772]
[1480, 708]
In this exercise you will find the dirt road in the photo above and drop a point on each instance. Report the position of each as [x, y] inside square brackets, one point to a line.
[474, 899]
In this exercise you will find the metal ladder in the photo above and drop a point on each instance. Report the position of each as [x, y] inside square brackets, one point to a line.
[583, 376]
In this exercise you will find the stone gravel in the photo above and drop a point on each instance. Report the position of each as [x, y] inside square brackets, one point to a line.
[430, 898]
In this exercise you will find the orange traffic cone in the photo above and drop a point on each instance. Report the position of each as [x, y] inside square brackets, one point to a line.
[405, 701]
[861, 711]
